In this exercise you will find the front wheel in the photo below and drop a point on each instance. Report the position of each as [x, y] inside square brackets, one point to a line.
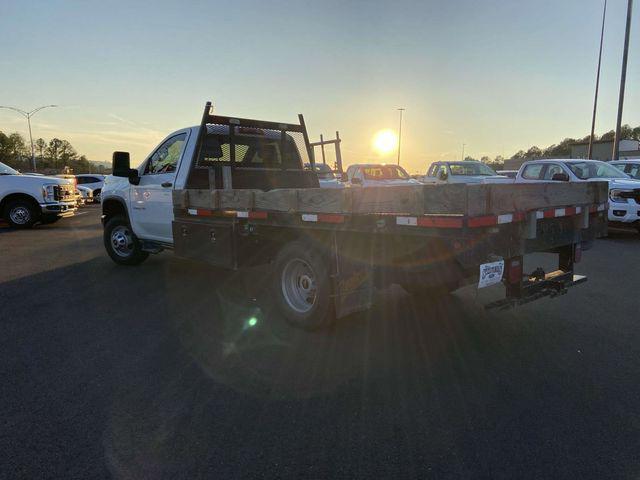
[21, 214]
[302, 287]
[122, 245]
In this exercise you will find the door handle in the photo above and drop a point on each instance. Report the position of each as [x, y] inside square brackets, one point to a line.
[166, 184]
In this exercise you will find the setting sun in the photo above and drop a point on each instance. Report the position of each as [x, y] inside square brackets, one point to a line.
[385, 141]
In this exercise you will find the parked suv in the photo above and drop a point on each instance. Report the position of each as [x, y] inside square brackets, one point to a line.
[28, 199]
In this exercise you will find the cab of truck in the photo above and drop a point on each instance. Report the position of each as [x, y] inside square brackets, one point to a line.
[225, 154]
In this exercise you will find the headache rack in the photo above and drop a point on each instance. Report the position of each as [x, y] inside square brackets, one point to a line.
[241, 153]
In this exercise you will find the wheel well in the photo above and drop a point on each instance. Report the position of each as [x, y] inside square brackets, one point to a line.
[111, 208]
[19, 196]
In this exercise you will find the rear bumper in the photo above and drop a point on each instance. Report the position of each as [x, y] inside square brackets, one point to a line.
[59, 209]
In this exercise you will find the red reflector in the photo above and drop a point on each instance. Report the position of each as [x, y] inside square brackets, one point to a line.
[489, 221]
[442, 222]
[514, 271]
[577, 253]
[328, 218]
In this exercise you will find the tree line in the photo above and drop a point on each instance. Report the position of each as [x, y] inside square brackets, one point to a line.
[54, 155]
[562, 149]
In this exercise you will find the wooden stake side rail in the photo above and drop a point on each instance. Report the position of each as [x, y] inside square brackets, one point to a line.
[410, 201]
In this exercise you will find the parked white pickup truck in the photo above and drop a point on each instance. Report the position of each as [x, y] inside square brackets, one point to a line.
[467, 171]
[624, 191]
[29, 199]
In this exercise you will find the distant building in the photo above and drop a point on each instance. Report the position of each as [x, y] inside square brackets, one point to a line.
[603, 149]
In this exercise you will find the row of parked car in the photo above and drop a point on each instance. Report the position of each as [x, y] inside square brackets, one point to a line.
[623, 177]
[30, 198]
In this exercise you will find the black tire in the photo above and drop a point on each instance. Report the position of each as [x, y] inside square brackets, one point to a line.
[299, 272]
[21, 213]
[121, 244]
[48, 219]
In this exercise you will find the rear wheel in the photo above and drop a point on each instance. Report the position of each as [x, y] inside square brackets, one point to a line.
[302, 287]
[21, 213]
[121, 244]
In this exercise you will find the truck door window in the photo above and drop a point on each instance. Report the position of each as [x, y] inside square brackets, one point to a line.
[532, 172]
[552, 169]
[165, 158]
[432, 171]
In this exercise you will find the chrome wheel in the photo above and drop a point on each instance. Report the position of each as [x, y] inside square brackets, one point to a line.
[20, 215]
[299, 285]
[122, 241]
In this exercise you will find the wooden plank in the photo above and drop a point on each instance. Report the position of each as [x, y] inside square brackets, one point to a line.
[180, 198]
[445, 199]
[279, 200]
[324, 200]
[234, 199]
[199, 198]
[397, 199]
[532, 196]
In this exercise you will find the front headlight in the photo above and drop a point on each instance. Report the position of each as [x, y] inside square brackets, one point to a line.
[48, 192]
[619, 196]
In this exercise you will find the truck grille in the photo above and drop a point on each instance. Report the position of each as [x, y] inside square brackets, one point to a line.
[635, 195]
[63, 193]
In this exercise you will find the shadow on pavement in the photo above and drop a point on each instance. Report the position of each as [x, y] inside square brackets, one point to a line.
[172, 370]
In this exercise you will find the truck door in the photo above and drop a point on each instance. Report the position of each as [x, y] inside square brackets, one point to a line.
[152, 206]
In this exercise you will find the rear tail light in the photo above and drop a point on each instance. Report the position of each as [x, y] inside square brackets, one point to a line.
[514, 270]
[577, 253]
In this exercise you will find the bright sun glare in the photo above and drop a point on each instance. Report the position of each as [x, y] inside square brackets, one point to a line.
[385, 141]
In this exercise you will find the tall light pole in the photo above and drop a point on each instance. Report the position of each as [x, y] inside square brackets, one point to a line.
[595, 98]
[400, 133]
[623, 78]
[28, 116]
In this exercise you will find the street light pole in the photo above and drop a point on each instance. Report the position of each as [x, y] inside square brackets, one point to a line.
[400, 134]
[28, 116]
[595, 98]
[623, 78]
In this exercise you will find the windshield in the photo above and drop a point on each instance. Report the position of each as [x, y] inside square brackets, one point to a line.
[7, 170]
[324, 171]
[586, 170]
[385, 172]
[470, 169]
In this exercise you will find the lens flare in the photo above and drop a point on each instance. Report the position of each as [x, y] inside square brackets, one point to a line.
[385, 141]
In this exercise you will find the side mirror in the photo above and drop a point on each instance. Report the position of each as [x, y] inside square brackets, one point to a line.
[443, 175]
[121, 166]
[560, 177]
[356, 181]
[344, 177]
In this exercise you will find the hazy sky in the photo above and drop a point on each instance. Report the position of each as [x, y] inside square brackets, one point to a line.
[496, 75]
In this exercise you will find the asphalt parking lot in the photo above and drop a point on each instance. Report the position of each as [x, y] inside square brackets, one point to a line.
[166, 371]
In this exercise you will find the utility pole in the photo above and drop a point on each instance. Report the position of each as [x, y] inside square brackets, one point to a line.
[28, 116]
[400, 133]
[623, 78]
[595, 98]
[463, 145]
